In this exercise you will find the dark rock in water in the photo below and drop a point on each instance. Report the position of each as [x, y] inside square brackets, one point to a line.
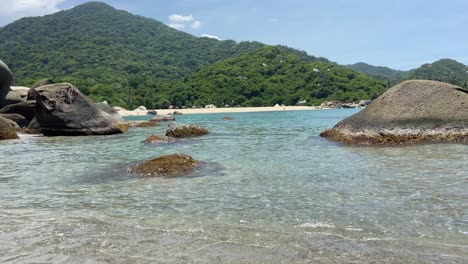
[111, 111]
[156, 139]
[166, 166]
[18, 119]
[6, 130]
[180, 131]
[25, 109]
[6, 77]
[177, 113]
[411, 112]
[13, 98]
[161, 118]
[152, 112]
[62, 110]
[33, 127]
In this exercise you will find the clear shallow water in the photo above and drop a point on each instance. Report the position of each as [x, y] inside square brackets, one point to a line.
[273, 192]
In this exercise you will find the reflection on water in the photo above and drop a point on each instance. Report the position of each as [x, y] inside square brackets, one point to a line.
[272, 191]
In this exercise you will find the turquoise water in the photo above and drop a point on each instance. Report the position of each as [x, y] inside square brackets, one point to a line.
[272, 191]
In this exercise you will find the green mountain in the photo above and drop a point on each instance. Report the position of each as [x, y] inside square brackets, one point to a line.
[275, 75]
[130, 60]
[445, 70]
[378, 71]
[94, 44]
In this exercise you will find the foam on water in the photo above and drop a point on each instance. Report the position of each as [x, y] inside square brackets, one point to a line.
[272, 191]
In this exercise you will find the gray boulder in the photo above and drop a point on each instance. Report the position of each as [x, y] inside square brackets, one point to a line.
[6, 77]
[25, 109]
[411, 112]
[62, 110]
[6, 130]
[18, 119]
[22, 91]
[13, 98]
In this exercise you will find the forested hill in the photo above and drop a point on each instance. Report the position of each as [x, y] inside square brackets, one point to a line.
[378, 71]
[445, 70]
[130, 60]
[275, 75]
[98, 44]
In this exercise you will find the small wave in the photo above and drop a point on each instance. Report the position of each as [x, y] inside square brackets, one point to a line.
[316, 225]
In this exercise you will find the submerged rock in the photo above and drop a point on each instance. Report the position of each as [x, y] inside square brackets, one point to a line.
[6, 77]
[62, 110]
[165, 166]
[143, 124]
[156, 139]
[162, 118]
[186, 131]
[6, 130]
[411, 112]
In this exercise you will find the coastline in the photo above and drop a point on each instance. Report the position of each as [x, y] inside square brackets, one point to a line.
[226, 110]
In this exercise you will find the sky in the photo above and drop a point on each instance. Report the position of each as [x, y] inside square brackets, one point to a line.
[401, 34]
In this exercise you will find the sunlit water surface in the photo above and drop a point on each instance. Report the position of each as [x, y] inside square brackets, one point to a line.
[272, 191]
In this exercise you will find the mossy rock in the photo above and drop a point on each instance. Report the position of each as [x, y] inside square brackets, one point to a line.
[6, 130]
[186, 131]
[165, 166]
[157, 139]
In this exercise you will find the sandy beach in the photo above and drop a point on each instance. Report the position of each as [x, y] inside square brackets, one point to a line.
[218, 110]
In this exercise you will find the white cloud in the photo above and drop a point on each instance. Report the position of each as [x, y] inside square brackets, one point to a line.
[211, 36]
[11, 10]
[181, 21]
[31, 7]
[175, 18]
[196, 24]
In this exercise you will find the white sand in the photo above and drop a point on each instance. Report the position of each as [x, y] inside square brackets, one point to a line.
[219, 110]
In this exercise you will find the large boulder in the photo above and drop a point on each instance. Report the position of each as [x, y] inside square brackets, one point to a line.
[25, 109]
[62, 110]
[167, 166]
[18, 119]
[411, 112]
[6, 77]
[6, 130]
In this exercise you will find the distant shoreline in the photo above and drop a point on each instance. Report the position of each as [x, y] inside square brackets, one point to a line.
[190, 111]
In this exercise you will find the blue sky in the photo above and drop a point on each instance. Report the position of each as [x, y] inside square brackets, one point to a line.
[401, 34]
